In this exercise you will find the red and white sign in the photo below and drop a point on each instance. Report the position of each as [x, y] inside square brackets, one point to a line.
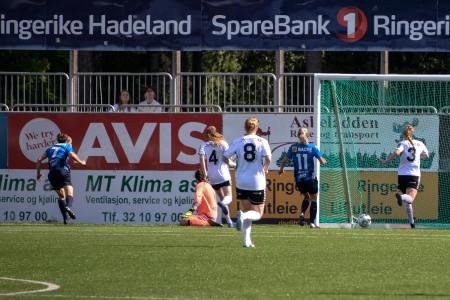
[112, 141]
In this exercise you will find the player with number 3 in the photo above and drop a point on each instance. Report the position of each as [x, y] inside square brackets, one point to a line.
[410, 151]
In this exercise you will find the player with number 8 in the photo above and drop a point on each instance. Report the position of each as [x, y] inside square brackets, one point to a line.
[253, 160]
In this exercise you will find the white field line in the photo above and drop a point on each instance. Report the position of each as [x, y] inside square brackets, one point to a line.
[50, 287]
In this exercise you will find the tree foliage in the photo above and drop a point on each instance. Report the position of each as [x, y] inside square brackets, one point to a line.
[227, 61]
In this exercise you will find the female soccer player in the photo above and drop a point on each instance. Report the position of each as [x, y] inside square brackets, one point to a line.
[250, 150]
[215, 170]
[205, 204]
[303, 154]
[59, 174]
[410, 151]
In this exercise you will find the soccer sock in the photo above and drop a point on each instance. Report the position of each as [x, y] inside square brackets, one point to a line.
[227, 217]
[246, 230]
[251, 215]
[407, 198]
[195, 222]
[409, 212]
[226, 200]
[62, 208]
[313, 212]
[305, 204]
[69, 201]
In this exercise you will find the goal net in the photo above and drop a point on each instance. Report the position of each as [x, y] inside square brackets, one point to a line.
[361, 119]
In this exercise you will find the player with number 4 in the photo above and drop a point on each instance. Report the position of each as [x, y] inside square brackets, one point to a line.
[216, 171]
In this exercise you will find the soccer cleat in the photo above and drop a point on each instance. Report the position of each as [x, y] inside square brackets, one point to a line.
[399, 199]
[414, 224]
[248, 245]
[70, 212]
[231, 225]
[301, 221]
[239, 220]
[214, 223]
[223, 207]
[66, 220]
[312, 225]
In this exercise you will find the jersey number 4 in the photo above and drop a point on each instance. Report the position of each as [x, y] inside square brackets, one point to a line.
[213, 157]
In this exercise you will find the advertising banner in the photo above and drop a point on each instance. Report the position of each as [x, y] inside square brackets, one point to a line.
[140, 166]
[3, 141]
[107, 197]
[112, 141]
[373, 136]
[189, 25]
[280, 130]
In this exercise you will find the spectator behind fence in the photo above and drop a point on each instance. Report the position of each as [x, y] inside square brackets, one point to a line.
[149, 105]
[124, 99]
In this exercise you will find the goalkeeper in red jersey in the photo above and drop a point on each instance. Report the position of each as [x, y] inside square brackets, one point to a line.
[205, 204]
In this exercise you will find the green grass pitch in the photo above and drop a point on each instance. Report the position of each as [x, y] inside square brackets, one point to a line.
[172, 262]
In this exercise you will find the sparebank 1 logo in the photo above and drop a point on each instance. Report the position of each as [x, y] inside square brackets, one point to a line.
[355, 21]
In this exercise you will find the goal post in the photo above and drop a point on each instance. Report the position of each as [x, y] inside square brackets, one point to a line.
[360, 119]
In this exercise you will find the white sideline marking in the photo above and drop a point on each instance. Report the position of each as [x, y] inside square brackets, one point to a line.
[50, 287]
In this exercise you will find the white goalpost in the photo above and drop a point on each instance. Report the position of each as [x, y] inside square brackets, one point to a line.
[360, 118]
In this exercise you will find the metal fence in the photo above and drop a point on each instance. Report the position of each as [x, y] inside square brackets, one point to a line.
[205, 91]
[224, 89]
[104, 88]
[34, 88]
[296, 89]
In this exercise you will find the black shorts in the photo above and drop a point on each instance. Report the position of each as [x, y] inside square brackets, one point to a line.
[308, 186]
[59, 179]
[255, 197]
[408, 181]
[218, 186]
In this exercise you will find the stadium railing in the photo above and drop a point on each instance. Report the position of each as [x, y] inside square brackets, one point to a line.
[104, 88]
[296, 88]
[173, 108]
[4, 107]
[187, 88]
[34, 88]
[63, 107]
[227, 88]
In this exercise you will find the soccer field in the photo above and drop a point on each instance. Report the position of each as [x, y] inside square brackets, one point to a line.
[171, 262]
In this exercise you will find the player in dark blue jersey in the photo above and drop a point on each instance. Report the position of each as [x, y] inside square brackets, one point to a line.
[303, 154]
[59, 174]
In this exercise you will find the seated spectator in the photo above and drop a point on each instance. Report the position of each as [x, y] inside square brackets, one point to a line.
[150, 105]
[124, 99]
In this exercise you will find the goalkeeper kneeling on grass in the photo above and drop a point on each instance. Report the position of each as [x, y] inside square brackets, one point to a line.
[205, 204]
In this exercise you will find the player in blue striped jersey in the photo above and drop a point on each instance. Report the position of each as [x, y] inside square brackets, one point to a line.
[59, 174]
[302, 155]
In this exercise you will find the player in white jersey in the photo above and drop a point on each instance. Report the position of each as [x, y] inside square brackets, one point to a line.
[410, 151]
[215, 169]
[253, 160]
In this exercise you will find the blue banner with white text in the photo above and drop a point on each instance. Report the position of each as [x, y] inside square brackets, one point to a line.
[195, 25]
